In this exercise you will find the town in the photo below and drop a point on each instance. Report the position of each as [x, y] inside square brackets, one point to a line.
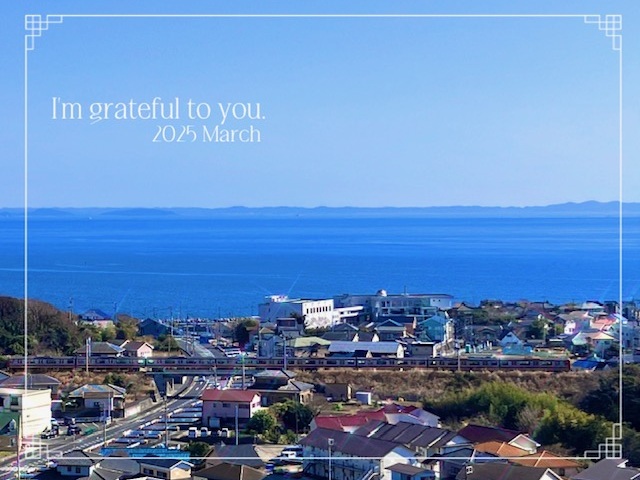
[321, 389]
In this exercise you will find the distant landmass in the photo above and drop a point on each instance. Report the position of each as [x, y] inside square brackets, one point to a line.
[584, 209]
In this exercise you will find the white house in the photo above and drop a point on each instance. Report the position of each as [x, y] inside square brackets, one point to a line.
[316, 313]
[223, 405]
[32, 406]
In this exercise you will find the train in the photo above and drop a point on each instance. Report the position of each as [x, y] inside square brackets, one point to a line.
[467, 363]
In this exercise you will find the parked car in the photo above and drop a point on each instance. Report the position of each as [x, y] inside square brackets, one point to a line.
[73, 430]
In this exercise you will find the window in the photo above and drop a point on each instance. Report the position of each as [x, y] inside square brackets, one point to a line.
[77, 469]
[225, 405]
[147, 471]
[162, 474]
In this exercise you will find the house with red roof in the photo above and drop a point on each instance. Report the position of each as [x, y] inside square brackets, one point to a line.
[220, 406]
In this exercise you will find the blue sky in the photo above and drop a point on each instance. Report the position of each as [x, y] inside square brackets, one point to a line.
[357, 111]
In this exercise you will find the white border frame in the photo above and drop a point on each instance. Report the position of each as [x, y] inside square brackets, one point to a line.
[611, 25]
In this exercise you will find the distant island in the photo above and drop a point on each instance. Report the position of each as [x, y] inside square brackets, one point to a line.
[584, 209]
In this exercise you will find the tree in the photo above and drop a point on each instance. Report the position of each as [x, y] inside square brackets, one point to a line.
[262, 422]
[294, 415]
[127, 328]
[242, 329]
[198, 450]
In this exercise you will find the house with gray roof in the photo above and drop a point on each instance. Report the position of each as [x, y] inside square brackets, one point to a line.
[505, 471]
[366, 349]
[104, 399]
[609, 469]
[351, 456]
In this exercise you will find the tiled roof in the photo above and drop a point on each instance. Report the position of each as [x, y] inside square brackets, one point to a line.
[229, 471]
[33, 379]
[373, 347]
[340, 422]
[78, 458]
[406, 469]
[501, 449]
[545, 459]
[231, 395]
[347, 443]
[165, 462]
[504, 471]
[409, 434]
[97, 388]
[100, 348]
[134, 346]
[608, 469]
[480, 433]
[243, 454]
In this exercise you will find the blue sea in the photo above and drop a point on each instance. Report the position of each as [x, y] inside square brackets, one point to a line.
[222, 267]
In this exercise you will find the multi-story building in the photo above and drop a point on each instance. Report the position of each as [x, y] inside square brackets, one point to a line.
[33, 409]
[314, 313]
[382, 305]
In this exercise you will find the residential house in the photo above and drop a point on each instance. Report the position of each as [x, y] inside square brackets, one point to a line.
[152, 327]
[242, 454]
[138, 349]
[229, 471]
[609, 469]
[30, 409]
[345, 423]
[223, 406]
[425, 441]
[105, 400]
[97, 318]
[422, 348]
[35, 381]
[480, 434]
[348, 457]
[402, 471]
[338, 392]
[389, 330]
[367, 349]
[505, 471]
[564, 467]
[277, 386]
[395, 413]
[100, 349]
[341, 335]
[77, 463]
[438, 328]
[510, 339]
[308, 346]
[165, 468]
[501, 449]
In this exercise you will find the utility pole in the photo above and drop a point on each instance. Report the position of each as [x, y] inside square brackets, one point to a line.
[237, 424]
[166, 424]
[87, 353]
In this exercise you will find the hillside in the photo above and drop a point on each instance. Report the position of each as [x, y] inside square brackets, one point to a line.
[51, 331]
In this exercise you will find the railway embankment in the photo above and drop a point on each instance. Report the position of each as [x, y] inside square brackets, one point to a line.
[418, 385]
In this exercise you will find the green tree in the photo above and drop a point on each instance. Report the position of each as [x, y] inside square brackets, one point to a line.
[294, 415]
[198, 450]
[262, 422]
[241, 331]
[127, 327]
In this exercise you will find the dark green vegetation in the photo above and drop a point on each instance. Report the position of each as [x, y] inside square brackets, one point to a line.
[554, 422]
[281, 422]
[52, 331]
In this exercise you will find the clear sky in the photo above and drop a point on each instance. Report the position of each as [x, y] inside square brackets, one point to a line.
[353, 111]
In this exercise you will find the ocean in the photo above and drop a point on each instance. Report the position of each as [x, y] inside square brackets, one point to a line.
[223, 267]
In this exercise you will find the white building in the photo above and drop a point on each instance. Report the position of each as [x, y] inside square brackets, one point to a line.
[315, 313]
[33, 407]
[382, 305]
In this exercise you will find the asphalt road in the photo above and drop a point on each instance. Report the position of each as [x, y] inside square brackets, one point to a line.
[54, 448]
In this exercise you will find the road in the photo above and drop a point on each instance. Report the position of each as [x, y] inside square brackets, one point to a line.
[54, 448]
